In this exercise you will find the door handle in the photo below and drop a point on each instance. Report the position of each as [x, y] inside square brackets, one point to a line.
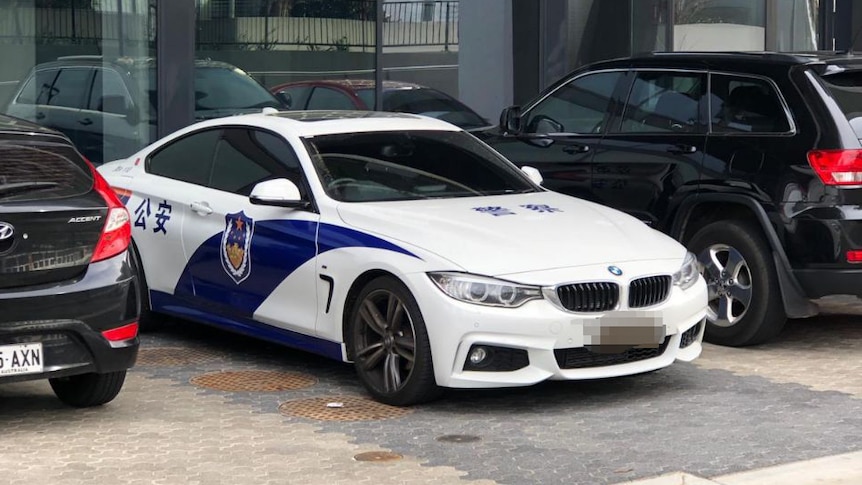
[85, 121]
[201, 208]
[576, 148]
[40, 116]
[682, 149]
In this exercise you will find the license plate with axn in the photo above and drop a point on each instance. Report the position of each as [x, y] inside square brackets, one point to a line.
[20, 359]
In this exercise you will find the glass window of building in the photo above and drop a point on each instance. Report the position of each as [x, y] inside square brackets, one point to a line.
[284, 47]
[54, 62]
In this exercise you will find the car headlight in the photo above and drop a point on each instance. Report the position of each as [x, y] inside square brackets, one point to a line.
[483, 290]
[687, 275]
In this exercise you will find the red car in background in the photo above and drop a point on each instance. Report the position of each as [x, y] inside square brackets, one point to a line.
[358, 94]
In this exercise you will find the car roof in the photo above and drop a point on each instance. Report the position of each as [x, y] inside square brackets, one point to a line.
[126, 63]
[315, 123]
[355, 84]
[734, 59]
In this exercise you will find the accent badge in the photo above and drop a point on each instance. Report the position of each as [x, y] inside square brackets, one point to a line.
[615, 271]
[236, 246]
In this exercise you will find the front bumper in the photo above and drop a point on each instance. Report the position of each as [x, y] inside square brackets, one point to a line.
[68, 319]
[549, 336]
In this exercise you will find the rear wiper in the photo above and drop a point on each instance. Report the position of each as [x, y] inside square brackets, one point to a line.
[17, 188]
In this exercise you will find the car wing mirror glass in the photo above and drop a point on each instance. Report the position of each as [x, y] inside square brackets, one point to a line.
[279, 193]
[533, 174]
[510, 119]
[285, 98]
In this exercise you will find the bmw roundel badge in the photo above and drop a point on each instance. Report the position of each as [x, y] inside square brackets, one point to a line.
[615, 271]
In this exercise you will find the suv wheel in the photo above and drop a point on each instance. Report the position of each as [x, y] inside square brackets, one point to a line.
[87, 390]
[745, 305]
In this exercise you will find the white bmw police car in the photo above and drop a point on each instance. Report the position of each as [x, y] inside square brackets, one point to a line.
[405, 245]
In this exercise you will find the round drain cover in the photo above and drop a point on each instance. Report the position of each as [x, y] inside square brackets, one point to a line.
[254, 380]
[458, 438]
[174, 356]
[378, 456]
[341, 408]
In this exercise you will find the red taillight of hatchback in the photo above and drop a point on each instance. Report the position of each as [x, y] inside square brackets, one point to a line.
[117, 232]
[126, 332]
[837, 167]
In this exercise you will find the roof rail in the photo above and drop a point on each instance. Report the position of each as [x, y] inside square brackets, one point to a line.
[94, 57]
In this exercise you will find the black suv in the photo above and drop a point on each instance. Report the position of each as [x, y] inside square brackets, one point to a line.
[68, 298]
[107, 107]
[753, 160]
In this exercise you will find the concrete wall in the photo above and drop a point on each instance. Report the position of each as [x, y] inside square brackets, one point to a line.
[485, 71]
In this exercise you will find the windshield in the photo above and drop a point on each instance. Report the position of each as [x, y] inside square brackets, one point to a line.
[411, 165]
[221, 88]
[426, 102]
[846, 89]
[42, 171]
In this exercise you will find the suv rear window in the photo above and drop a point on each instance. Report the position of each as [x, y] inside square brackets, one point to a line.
[846, 89]
[34, 170]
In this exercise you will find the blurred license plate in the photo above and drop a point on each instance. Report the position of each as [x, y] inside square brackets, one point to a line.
[20, 359]
[626, 328]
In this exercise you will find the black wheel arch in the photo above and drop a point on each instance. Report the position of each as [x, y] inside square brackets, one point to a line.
[699, 209]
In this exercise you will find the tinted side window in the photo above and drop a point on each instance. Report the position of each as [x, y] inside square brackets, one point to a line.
[245, 158]
[38, 88]
[188, 159]
[109, 94]
[665, 102]
[70, 88]
[741, 104]
[326, 98]
[578, 107]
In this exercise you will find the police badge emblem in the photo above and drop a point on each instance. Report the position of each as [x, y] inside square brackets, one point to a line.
[236, 246]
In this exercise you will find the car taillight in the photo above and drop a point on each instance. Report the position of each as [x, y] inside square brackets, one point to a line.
[117, 232]
[837, 167]
[854, 256]
[119, 334]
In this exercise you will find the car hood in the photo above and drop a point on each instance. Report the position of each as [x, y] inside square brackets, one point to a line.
[532, 232]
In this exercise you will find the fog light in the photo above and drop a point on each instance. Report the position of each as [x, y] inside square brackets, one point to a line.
[478, 355]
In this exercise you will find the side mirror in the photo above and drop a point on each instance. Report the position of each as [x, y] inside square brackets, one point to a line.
[279, 193]
[533, 174]
[285, 98]
[510, 119]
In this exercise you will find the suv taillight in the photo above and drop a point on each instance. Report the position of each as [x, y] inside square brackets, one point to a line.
[837, 167]
[117, 232]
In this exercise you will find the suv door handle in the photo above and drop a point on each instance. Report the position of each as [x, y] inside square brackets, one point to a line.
[40, 116]
[576, 148]
[85, 121]
[682, 149]
[201, 208]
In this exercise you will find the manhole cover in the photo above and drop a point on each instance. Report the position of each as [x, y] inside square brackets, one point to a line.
[377, 456]
[458, 438]
[174, 356]
[343, 408]
[254, 380]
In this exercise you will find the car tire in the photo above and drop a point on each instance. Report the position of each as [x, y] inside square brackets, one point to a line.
[385, 322]
[745, 306]
[147, 320]
[87, 390]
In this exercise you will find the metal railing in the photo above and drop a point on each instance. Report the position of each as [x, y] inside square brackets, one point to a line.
[325, 24]
[249, 24]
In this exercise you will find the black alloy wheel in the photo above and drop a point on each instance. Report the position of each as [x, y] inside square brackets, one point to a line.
[390, 345]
